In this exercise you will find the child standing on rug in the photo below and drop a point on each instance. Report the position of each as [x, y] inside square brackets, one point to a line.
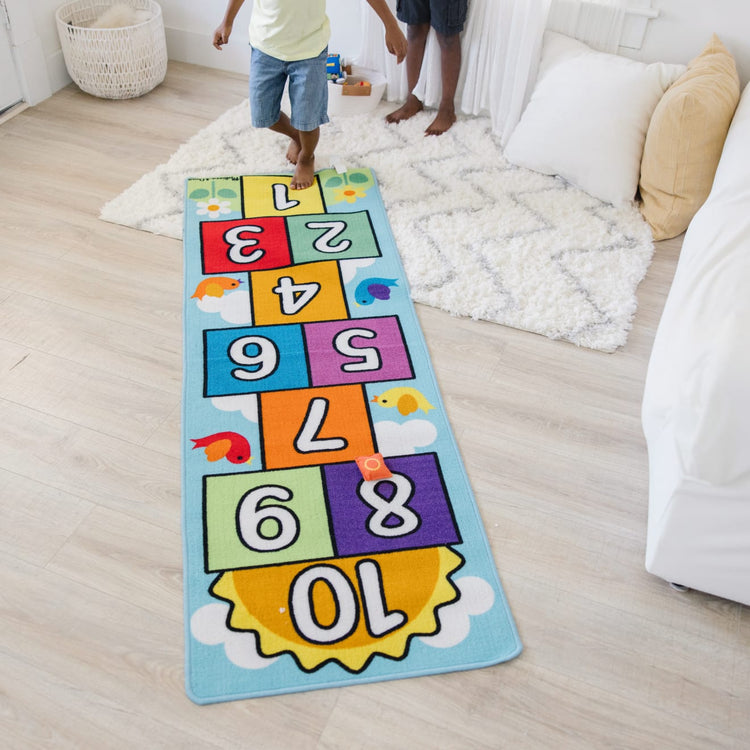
[447, 17]
[289, 40]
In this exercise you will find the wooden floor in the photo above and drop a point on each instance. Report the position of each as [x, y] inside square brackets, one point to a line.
[91, 645]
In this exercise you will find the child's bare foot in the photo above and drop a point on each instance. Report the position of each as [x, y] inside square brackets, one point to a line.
[292, 153]
[442, 122]
[408, 109]
[304, 174]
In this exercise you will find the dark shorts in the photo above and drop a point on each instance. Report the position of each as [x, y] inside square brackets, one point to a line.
[447, 17]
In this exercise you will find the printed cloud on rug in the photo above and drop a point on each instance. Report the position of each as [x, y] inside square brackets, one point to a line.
[478, 236]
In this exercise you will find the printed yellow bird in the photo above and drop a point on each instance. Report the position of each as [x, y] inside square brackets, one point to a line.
[215, 287]
[406, 400]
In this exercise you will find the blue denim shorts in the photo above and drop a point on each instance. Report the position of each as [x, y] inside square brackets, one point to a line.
[447, 17]
[308, 90]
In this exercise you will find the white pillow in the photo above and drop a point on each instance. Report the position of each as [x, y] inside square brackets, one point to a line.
[588, 116]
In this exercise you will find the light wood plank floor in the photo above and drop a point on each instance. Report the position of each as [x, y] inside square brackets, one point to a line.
[90, 600]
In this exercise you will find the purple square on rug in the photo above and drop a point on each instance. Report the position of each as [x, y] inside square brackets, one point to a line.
[363, 350]
[408, 511]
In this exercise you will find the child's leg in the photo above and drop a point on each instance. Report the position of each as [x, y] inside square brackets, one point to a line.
[416, 35]
[448, 19]
[450, 65]
[284, 126]
[308, 93]
[304, 174]
[301, 151]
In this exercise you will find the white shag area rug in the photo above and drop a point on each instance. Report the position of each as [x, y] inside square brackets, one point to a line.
[479, 237]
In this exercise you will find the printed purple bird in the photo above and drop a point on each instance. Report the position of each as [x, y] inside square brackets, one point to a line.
[369, 290]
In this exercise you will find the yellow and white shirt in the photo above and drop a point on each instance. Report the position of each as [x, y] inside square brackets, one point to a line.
[290, 29]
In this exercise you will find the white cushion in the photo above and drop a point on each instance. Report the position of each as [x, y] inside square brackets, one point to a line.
[697, 395]
[587, 117]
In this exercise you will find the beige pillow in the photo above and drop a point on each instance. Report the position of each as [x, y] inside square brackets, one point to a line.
[685, 138]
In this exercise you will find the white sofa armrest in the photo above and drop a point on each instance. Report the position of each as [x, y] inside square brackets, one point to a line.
[696, 405]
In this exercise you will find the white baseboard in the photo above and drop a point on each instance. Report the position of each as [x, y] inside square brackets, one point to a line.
[32, 70]
[57, 72]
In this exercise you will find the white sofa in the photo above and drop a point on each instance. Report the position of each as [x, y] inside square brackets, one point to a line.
[696, 405]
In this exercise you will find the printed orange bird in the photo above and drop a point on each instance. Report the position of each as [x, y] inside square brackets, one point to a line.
[229, 445]
[215, 287]
[406, 400]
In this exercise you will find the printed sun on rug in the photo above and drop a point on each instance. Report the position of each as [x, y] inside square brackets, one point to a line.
[478, 237]
[330, 533]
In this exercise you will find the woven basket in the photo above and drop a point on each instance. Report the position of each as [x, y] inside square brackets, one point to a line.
[112, 63]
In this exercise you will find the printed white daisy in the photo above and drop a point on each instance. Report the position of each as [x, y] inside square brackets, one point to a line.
[213, 208]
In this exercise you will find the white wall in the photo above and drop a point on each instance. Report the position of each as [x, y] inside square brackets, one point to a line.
[679, 34]
[29, 54]
[685, 26]
[681, 31]
[190, 25]
[43, 14]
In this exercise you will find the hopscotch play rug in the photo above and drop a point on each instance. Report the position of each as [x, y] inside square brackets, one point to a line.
[330, 533]
[478, 236]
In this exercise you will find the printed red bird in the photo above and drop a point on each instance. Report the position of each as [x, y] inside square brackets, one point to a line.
[230, 445]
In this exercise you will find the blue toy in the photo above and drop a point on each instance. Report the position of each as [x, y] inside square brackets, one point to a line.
[333, 67]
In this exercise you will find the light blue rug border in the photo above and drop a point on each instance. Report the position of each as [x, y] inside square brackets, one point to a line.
[210, 676]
